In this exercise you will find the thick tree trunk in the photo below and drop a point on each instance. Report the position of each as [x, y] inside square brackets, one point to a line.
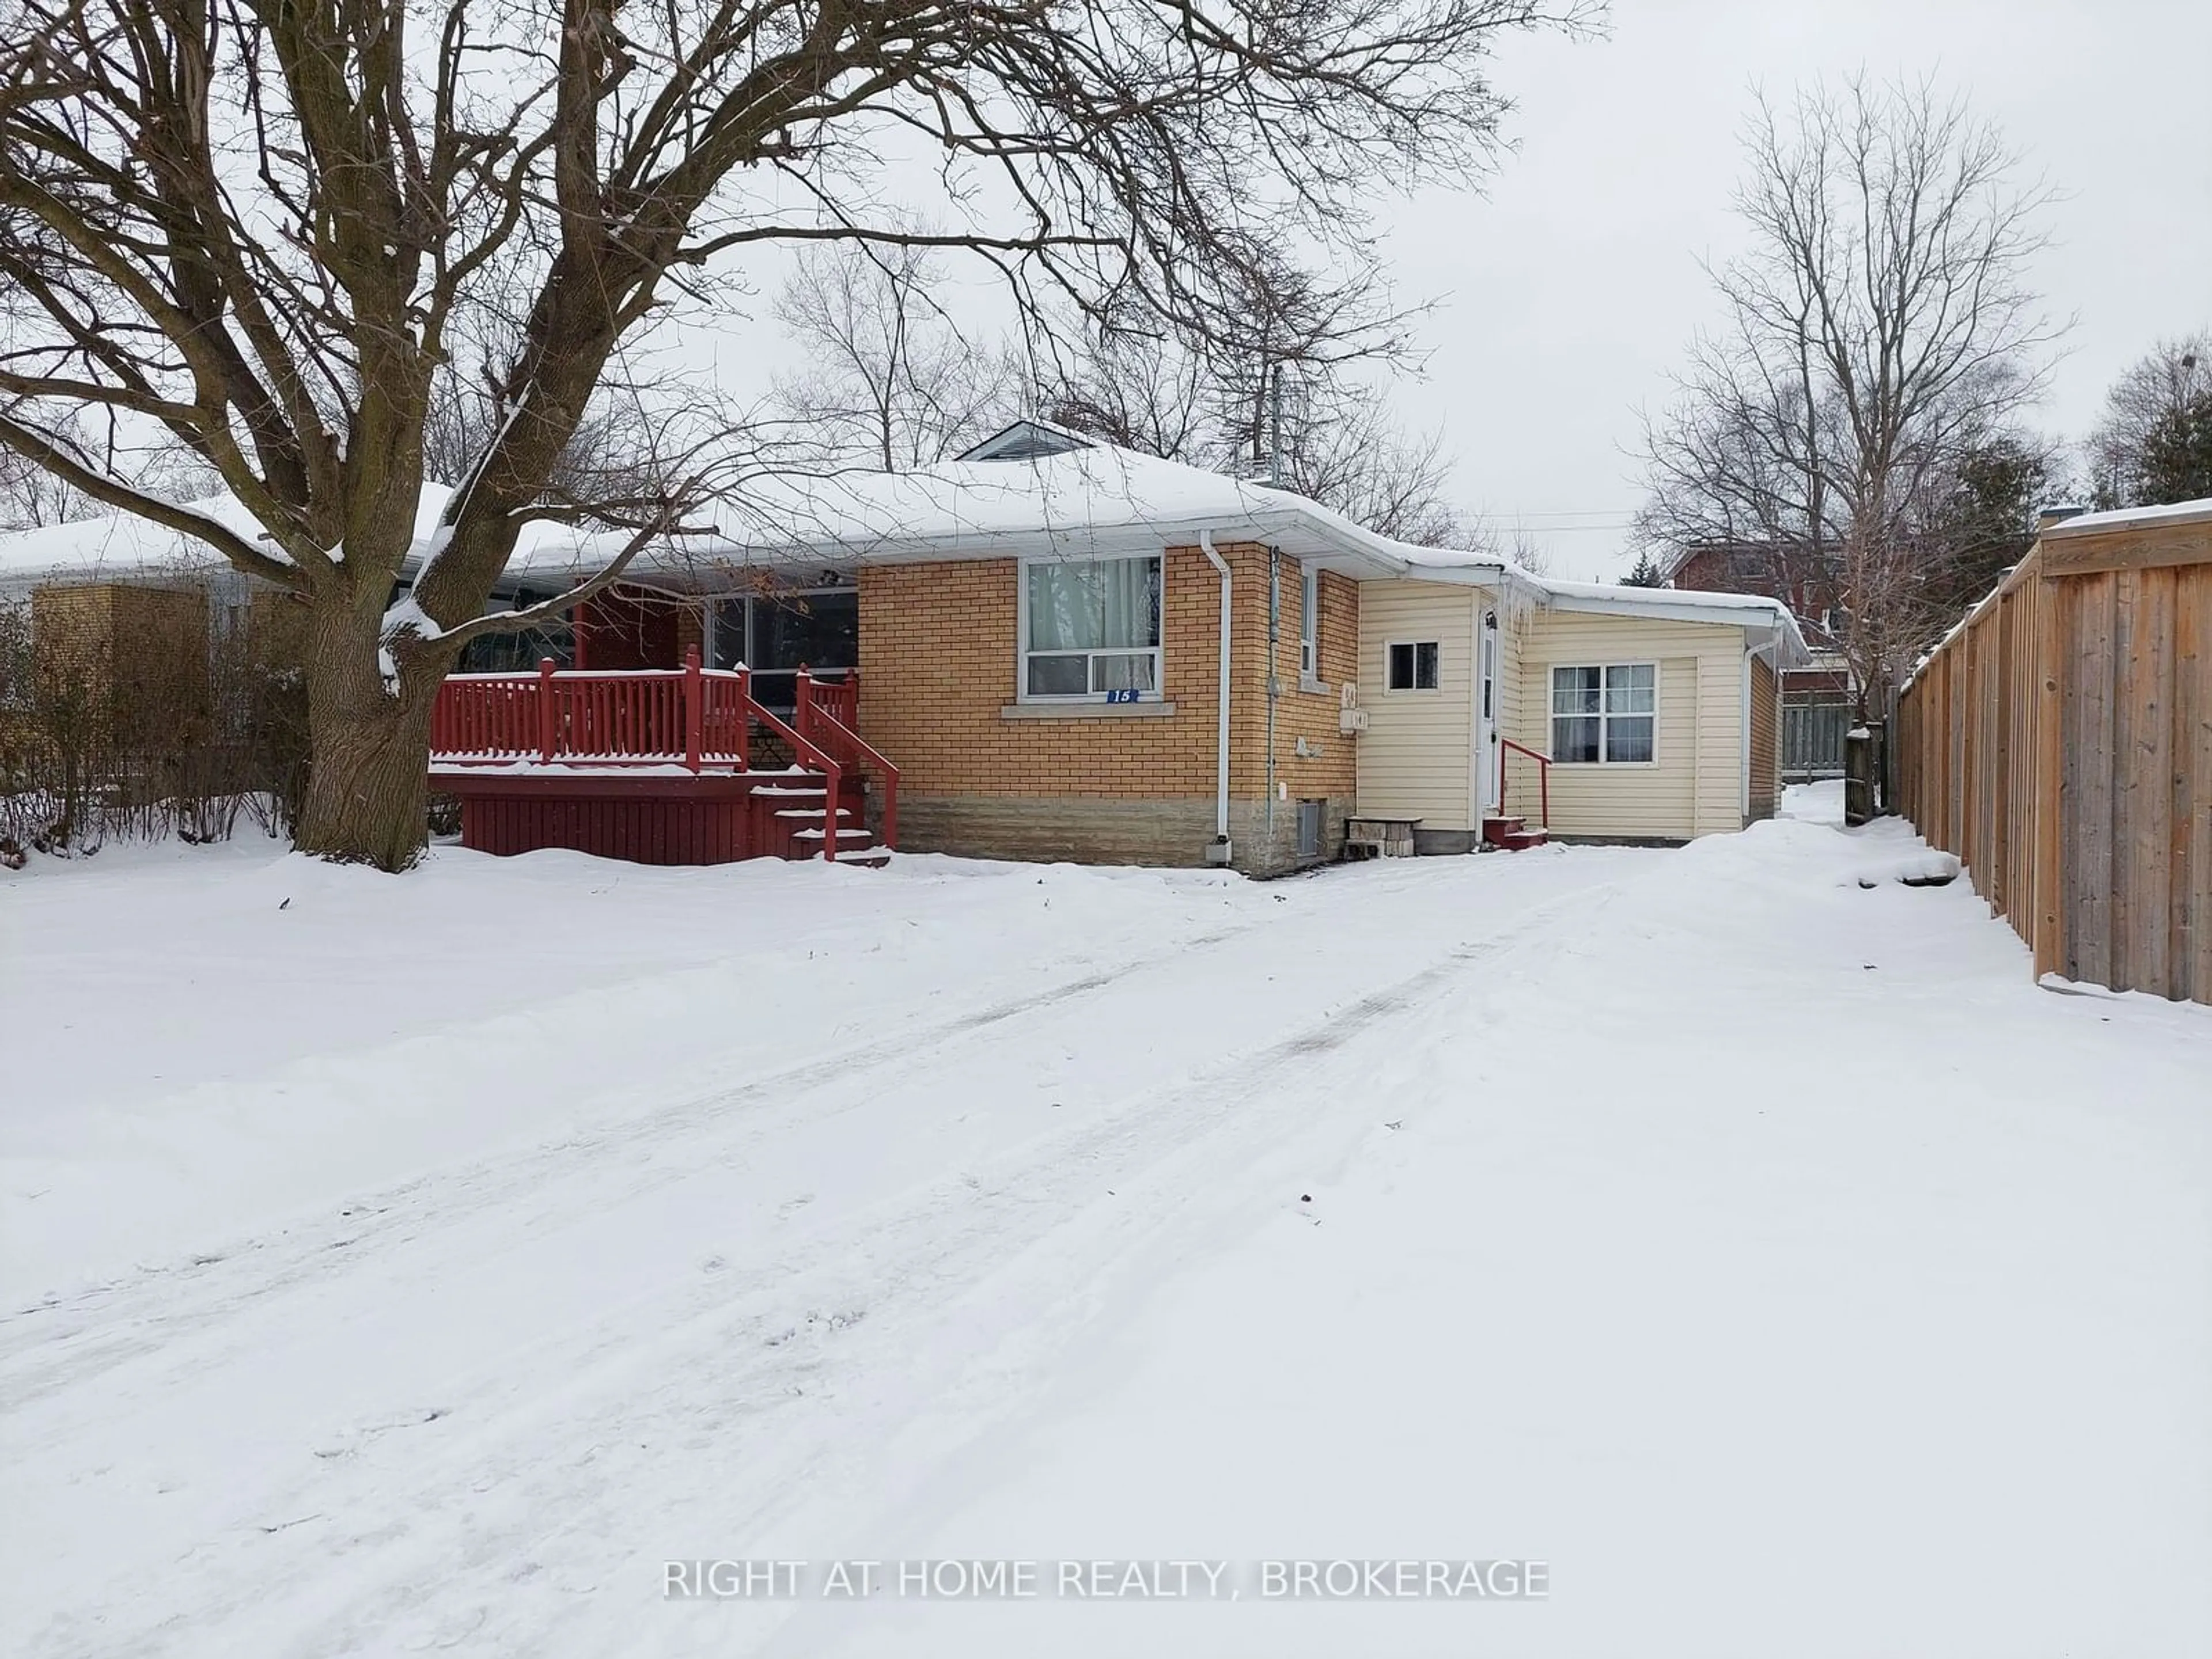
[366, 788]
[369, 752]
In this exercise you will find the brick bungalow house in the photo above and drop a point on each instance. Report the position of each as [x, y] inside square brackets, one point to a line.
[1052, 648]
[1070, 650]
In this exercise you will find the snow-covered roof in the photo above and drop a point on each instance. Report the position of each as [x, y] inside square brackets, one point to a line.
[123, 547]
[2130, 518]
[1754, 610]
[1093, 499]
[1096, 498]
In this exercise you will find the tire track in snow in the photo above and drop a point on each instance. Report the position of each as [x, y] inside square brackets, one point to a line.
[1178, 1148]
[156, 1305]
[897, 1263]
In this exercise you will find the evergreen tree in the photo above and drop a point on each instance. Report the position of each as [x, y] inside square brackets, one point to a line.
[1648, 573]
[1983, 522]
[2176, 464]
[2155, 443]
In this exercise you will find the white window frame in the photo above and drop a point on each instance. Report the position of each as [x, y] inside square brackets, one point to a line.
[1158, 654]
[1310, 678]
[1416, 690]
[1603, 716]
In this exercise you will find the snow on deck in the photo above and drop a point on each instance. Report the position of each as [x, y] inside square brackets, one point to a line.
[400, 1264]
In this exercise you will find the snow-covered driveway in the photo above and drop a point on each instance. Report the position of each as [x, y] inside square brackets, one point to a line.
[1760, 1251]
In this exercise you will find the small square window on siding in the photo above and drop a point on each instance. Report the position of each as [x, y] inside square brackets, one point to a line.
[1413, 665]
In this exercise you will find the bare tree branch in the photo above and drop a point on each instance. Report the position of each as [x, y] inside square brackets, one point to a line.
[1879, 332]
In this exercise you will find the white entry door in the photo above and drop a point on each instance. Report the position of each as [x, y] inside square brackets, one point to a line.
[1486, 712]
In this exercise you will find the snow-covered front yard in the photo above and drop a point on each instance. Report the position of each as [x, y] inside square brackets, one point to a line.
[418, 1264]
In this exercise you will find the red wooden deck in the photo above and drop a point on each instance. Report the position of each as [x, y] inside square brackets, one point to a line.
[713, 817]
[654, 766]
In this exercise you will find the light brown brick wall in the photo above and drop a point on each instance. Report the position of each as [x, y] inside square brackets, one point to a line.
[133, 658]
[938, 646]
[73, 632]
[1300, 713]
[122, 637]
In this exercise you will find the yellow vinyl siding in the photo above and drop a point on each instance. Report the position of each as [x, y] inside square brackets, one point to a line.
[1693, 785]
[1415, 755]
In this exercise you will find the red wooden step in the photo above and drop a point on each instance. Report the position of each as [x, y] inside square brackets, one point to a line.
[1513, 834]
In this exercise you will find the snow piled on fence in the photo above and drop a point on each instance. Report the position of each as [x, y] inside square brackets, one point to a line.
[420, 1263]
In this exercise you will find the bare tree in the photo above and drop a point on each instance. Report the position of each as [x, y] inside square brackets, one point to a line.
[1525, 551]
[1354, 457]
[611, 455]
[891, 380]
[254, 226]
[1879, 329]
[2155, 443]
[1329, 439]
[31, 496]
[1134, 385]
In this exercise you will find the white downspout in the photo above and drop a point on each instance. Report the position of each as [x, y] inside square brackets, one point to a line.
[1219, 853]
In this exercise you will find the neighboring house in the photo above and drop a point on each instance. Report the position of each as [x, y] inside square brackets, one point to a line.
[1070, 650]
[103, 574]
[1818, 704]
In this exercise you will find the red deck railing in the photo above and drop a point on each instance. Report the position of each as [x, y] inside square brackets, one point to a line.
[687, 716]
[1543, 778]
[828, 713]
[692, 716]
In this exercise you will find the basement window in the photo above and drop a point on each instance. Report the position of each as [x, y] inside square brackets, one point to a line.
[1413, 665]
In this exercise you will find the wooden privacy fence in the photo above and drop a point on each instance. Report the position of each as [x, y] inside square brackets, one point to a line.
[2060, 743]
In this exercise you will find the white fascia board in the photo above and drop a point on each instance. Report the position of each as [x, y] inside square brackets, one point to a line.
[1745, 617]
[1765, 624]
[1474, 573]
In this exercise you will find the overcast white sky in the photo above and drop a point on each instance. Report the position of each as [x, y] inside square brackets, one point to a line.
[1572, 287]
[1568, 290]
